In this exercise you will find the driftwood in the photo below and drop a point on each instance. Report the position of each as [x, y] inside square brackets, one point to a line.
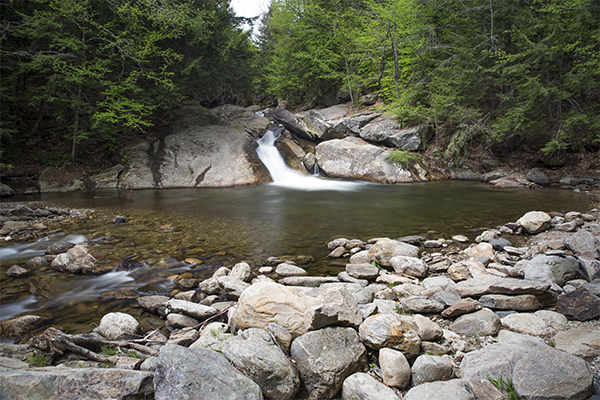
[57, 342]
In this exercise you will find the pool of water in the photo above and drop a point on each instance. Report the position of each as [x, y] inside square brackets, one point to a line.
[219, 227]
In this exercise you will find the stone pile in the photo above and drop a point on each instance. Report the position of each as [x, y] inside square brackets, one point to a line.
[404, 320]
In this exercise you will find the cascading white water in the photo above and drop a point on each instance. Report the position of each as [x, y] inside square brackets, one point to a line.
[284, 176]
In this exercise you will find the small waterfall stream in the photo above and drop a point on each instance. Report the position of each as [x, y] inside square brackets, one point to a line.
[284, 176]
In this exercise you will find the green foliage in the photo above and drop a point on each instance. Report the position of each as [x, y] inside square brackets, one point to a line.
[401, 310]
[40, 359]
[403, 157]
[505, 387]
[110, 350]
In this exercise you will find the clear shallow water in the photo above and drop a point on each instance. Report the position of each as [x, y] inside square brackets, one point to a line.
[223, 226]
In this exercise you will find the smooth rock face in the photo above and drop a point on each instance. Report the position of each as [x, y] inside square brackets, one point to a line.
[385, 249]
[464, 306]
[535, 222]
[284, 270]
[426, 328]
[526, 323]
[362, 271]
[554, 268]
[580, 341]
[326, 357]
[256, 354]
[547, 373]
[481, 323]
[476, 286]
[389, 330]
[19, 325]
[75, 384]
[455, 389]
[361, 386]
[395, 368]
[428, 368]
[492, 361]
[117, 325]
[267, 302]
[355, 159]
[184, 373]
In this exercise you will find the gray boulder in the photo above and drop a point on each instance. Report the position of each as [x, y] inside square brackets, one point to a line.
[117, 325]
[579, 341]
[590, 268]
[583, 244]
[52, 180]
[75, 261]
[194, 310]
[284, 270]
[481, 323]
[391, 133]
[183, 373]
[428, 368]
[75, 384]
[395, 369]
[255, 353]
[535, 222]
[580, 305]
[454, 389]
[361, 386]
[390, 330]
[421, 304]
[409, 266]
[325, 358]
[362, 271]
[6, 190]
[108, 178]
[537, 176]
[385, 249]
[336, 307]
[514, 286]
[494, 361]
[551, 268]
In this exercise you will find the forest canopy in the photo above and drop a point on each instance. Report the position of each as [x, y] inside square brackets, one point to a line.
[89, 74]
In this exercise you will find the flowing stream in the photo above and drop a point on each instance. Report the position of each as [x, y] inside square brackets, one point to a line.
[195, 231]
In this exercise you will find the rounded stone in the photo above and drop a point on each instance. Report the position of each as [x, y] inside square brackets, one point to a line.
[117, 325]
[394, 368]
[389, 330]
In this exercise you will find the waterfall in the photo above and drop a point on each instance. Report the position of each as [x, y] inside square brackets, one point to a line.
[284, 176]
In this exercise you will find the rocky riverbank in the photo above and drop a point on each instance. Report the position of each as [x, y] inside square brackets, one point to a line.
[408, 318]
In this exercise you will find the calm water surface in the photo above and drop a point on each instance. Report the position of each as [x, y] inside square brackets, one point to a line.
[223, 226]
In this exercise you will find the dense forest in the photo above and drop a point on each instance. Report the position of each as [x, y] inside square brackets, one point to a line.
[87, 76]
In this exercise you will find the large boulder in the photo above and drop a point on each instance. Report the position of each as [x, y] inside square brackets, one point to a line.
[326, 357]
[551, 268]
[390, 330]
[535, 222]
[353, 158]
[75, 261]
[583, 244]
[454, 389]
[361, 386]
[118, 325]
[267, 302]
[384, 250]
[257, 355]
[391, 133]
[337, 307]
[213, 148]
[481, 323]
[53, 180]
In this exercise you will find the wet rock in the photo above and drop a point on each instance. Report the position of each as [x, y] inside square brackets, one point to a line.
[37, 262]
[535, 222]
[326, 357]
[75, 384]
[480, 323]
[551, 268]
[361, 386]
[428, 368]
[580, 305]
[384, 250]
[362, 271]
[339, 242]
[59, 247]
[526, 323]
[272, 371]
[268, 302]
[390, 330]
[395, 368]
[411, 266]
[200, 373]
[454, 389]
[117, 325]
[16, 272]
[284, 270]
[336, 307]
[75, 261]
[499, 244]
[17, 326]
[542, 374]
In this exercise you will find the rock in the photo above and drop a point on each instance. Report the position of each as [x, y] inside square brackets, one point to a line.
[593, 287]
[552, 317]
[569, 181]
[454, 389]
[18, 326]
[212, 336]
[499, 244]
[464, 306]
[494, 361]
[284, 270]
[526, 323]
[16, 272]
[75, 384]
[480, 250]
[354, 159]
[459, 272]
[590, 268]
[580, 341]
[395, 368]
[194, 310]
[109, 178]
[361, 386]
[59, 247]
[337, 252]
[421, 304]
[551, 268]
[326, 357]
[480, 323]
[155, 304]
[476, 286]
[339, 242]
[241, 271]
[579, 305]
[184, 373]
[537, 176]
[177, 321]
[518, 286]
[268, 302]
[385, 249]
[336, 307]
[426, 328]
[52, 180]
[75, 261]
[547, 373]
[389, 330]
[309, 281]
[428, 368]
[483, 389]
[362, 257]
[118, 325]
[232, 286]
[448, 297]
[362, 271]
[438, 281]
[272, 370]
[535, 222]
[185, 336]
[411, 266]
[523, 302]
[583, 244]
[289, 120]
[6, 190]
